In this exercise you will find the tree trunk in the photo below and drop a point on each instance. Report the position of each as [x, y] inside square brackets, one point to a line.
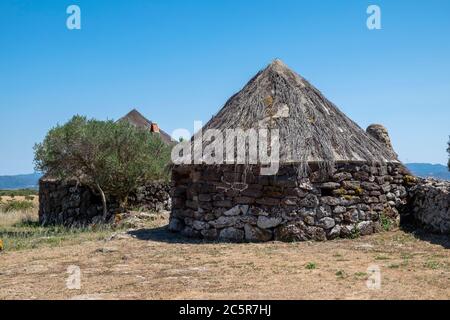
[105, 208]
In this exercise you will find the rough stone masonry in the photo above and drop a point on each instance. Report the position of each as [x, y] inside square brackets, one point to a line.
[235, 203]
[70, 204]
[429, 205]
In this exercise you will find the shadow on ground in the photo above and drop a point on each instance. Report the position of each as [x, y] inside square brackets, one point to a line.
[424, 235]
[162, 234]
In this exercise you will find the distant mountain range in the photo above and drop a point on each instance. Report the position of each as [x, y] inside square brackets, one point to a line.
[31, 181]
[22, 181]
[426, 170]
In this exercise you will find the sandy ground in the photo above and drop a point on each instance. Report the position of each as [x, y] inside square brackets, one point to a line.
[154, 264]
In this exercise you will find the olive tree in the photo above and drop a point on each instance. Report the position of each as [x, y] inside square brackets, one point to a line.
[113, 158]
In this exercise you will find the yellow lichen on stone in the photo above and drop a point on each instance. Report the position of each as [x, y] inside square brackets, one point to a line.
[339, 192]
[359, 191]
[410, 179]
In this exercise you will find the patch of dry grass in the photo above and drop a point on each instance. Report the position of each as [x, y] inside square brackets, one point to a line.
[9, 219]
[152, 263]
[20, 230]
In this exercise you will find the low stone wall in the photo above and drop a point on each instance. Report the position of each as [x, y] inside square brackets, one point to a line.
[234, 203]
[70, 204]
[429, 205]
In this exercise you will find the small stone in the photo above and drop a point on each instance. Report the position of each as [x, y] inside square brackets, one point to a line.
[289, 201]
[334, 233]
[244, 209]
[330, 185]
[309, 220]
[244, 200]
[296, 192]
[351, 216]
[231, 234]
[306, 185]
[339, 177]
[235, 211]
[365, 228]
[209, 234]
[224, 221]
[332, 201]
[339, 210]
[255, 234]
[353, 185]
[347, 231]
[310, 201]
[292, 231]
[316, 233]
[200, 225]
[268, 222]
[323, 211]
[371, 186]
[189, 232]
[390, 196]
[326, 223]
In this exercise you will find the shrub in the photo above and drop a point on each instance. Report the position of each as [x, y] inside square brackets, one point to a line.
[311, 266]
[386, 223]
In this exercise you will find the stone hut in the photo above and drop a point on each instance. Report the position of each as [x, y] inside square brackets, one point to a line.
[333, 179]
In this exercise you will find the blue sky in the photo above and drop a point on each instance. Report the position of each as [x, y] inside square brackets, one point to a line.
[179, 61]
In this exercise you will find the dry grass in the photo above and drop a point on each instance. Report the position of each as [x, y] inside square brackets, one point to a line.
[20, 230]
[17, 217]
[8, 219]
[153, 264]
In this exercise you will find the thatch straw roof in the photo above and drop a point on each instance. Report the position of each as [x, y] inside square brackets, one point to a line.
[311, 128]
[135, 118]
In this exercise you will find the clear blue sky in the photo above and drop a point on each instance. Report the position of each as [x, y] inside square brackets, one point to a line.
[179, 61]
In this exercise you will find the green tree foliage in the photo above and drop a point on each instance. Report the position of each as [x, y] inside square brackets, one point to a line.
[113, 158]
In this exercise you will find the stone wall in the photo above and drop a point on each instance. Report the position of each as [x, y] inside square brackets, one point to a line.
[235, 203]
[429, 205]
[70, 204]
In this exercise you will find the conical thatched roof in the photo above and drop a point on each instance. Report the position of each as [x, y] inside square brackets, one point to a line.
[136, 118]
[311, 128]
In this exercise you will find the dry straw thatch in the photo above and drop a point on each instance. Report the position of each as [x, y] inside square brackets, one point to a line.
[311, 128]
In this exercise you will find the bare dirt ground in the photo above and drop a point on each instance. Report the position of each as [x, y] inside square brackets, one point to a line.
[151, 263]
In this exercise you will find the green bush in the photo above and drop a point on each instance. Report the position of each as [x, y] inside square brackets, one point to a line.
[386, 222]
